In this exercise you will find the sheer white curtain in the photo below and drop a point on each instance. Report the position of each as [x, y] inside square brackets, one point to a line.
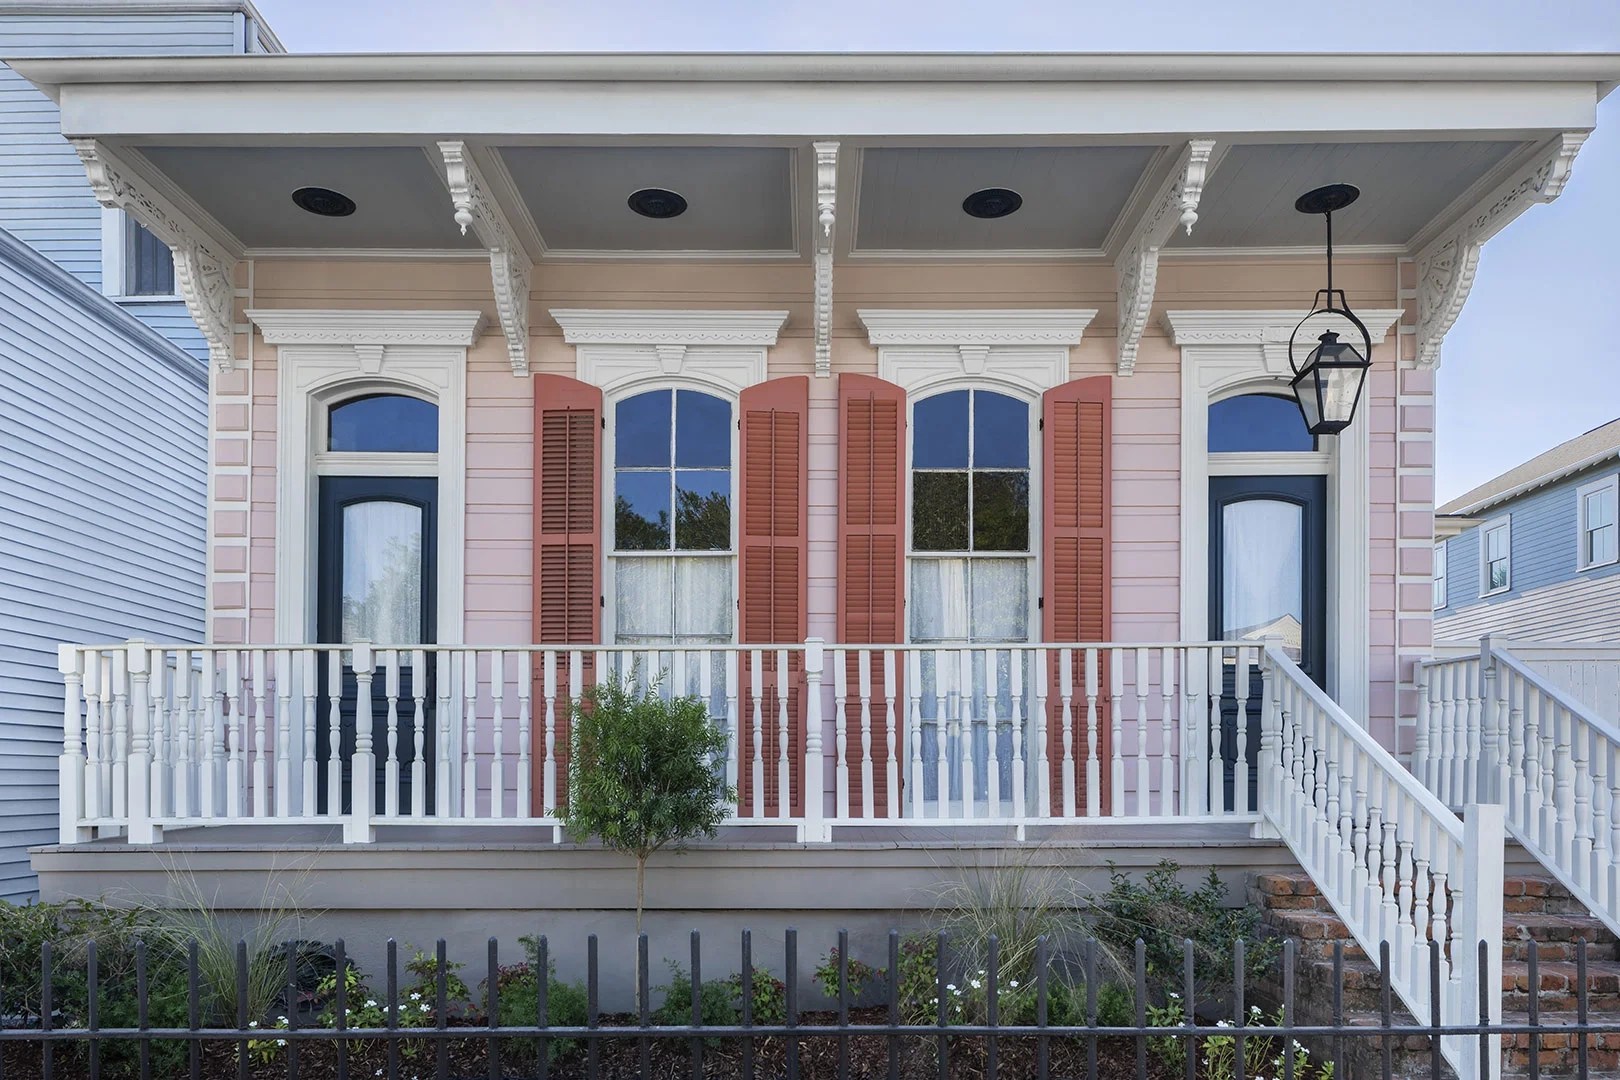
[382, 572]
[1262, 571]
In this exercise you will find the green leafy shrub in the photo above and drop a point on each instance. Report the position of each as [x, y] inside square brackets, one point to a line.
[861, 976]
[720, 1000]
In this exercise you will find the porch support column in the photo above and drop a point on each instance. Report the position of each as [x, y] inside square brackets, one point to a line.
[511, 269]
[826, 208]
[204, 264]
[1446, 264]
[1136, 270]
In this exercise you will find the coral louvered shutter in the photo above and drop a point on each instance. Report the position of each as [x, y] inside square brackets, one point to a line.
[567, 553]
[771, 600]
[871, 572]
[1076, 587]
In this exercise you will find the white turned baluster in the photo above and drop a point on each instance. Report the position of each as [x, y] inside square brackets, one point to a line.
[1581, 840]
[1531, 711]
[1602, 809]
[1551, 770]
[1193, 713]
[1469, 790]
[334, 733]
[784, 757]
[1422, 761]
[1018, 731]
[525, 776]
[1242, 689]
[1217, 751]
[840, 662]
[310, 695]
[183, 786]
[1116, 733]
[1043, 761]
[94, 747]
[1510, 687]
[158, 771]
[497, 760]
[705, 662]
[576, 687]
[390, 662]
[891, 764]
[992, 730]
[284, 724]
[1144, 781]
[942, 780]
[733, 724]
[112, 669]
[236, 743]
[548, 759]
[469, 733]
[1066, 696]
[1612, 889]
[118, 797]
[444, 694]
[1563, 783]
[209, 719]
[1447, 770]
[863, 675]
[1167, 729]
[419, 680]
[914, 712]
[964, 730]
[1360, 870]
[260, 774]
[756, 693]
[358, 828]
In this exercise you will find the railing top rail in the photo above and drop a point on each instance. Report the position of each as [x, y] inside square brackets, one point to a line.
[1524, 647]
[1604, 727]
[981, 646]
[1410, 785]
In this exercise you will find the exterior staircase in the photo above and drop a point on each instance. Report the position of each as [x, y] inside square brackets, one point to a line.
[1536, 909]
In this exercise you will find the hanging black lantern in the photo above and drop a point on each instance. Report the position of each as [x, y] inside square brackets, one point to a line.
[1327, 383]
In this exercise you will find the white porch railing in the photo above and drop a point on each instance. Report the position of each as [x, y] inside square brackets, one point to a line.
[159, 736]
[1395, 863]
[1501, 724]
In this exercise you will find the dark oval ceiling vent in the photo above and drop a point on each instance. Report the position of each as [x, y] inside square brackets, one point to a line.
[657, 203]
[992, 202]
[323, 201]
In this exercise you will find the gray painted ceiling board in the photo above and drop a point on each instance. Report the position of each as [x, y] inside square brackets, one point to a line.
[1249, 200]
[739, 198]
[399, 201]
[911, 197]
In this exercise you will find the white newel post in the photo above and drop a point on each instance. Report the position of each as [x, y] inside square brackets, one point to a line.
[357, 827]
[1484, 838]
[139, 766]
[1268, 785]
[815, 779]
[1420, 747]
[70, 766]
[1493, 724]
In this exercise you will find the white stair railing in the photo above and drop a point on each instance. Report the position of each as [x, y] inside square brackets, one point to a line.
[1491, 723]
[1393, 861]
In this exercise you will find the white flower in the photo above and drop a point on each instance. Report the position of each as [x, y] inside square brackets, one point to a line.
[371, 1003]
[281, 1042]
[950, 986]
[281, 1019]
[974, 983]
[416, 996]
[1175, 996]
[253, 1023]
[1013, 984]
[424, 1006]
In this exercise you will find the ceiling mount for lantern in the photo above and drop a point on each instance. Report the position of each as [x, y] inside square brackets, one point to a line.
[323, 202]
[992, 202]
[1327, 384]
[657, 203]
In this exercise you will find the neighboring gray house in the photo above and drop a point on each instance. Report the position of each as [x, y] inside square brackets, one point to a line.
[1535, 553]
[103, 400]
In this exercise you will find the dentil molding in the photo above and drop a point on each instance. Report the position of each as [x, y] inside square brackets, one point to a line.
[511, 269]
[204, 269]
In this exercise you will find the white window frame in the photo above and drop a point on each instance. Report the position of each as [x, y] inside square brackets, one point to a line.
[1442, 584]
[1609, 484]
[1505, 524]
[116, 234]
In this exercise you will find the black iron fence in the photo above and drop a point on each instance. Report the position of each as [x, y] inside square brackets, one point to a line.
[934, 1012]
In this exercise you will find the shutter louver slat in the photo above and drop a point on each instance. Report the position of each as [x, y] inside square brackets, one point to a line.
[1077, 585]
[567, 542]
[871, 538]
[772, 552]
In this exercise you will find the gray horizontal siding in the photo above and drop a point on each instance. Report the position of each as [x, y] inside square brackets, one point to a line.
[103, 428]
[1587, 609]
[173, 321]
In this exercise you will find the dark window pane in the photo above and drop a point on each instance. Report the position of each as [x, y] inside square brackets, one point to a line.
[385, 423]
[939, 427]
[702, 431]
[703, 510]
[939, 514]
[1000, 431]
[1001, 511]
[1257, 422]
[151, 264]
[641, 431]
[641, 511]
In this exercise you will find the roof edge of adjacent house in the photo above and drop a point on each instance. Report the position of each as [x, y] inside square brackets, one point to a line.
[267, 36]
[1593, 448]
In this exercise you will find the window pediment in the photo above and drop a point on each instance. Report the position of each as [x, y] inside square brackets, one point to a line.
[1027, 349]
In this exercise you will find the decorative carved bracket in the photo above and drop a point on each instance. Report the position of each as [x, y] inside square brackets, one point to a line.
[510, 267]
[1446, 266]
[1136, 271]
[826, 206]
[204, 269]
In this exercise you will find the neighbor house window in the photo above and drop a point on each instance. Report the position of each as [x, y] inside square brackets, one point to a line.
[148, 263]
[1440, 575]
[970, 518]
[1599, 524]
[1496, 556]
[672, 493]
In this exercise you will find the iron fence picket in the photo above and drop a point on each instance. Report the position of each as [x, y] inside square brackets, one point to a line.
[747, 1007]
[1043, 1047]
[1533, 971]
[1582, 1004]
[1386, 1010]
[1189, 996]
[1435, 1055]
[1140, 1004]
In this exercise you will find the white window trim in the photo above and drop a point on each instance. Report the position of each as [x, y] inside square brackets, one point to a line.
[114, 262]
[1225, 353]
[1607, 483]
[1505, 523]
[1442, 575]
[329, 355]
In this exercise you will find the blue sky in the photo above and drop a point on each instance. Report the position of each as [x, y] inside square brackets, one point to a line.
[1525, 367]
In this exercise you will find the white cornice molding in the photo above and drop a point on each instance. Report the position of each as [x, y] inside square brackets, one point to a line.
[826, 217]
[511, 269]
[204, 269]
[1136, 271]
[1034, 326]
[289, 326]
[598, 326]
[1446, 266]
[1259, 327]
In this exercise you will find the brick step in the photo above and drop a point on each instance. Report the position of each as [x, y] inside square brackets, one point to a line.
[1559, 984]
[1559, 1053]
[1555, 937]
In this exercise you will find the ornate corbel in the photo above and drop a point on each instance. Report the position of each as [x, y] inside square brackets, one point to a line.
[204, 270]
[1446, 266]
[1137, 268]
[826, 206]
[510, 267]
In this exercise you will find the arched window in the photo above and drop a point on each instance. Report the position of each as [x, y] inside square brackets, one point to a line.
[1262, 423]
[970, 517]
[383, 423]
[672, 491]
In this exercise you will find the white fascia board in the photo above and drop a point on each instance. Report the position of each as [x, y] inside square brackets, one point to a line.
[999, 326]
[603, 326]
[493, 109]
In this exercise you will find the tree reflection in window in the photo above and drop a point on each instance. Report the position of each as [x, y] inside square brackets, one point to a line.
[970, 473]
